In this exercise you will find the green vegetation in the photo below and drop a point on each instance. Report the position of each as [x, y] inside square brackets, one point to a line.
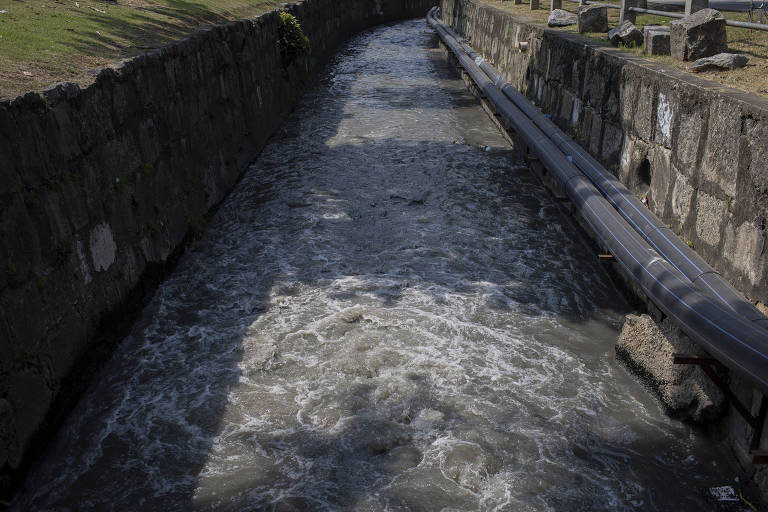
[47, 41]
[293, 42]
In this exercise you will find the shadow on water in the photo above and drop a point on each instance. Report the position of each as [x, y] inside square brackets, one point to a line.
[180, 417]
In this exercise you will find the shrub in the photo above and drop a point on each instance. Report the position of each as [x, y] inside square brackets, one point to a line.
[293, 42]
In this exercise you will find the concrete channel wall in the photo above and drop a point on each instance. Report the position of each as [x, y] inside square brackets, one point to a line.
[699, 152]
[101, 187]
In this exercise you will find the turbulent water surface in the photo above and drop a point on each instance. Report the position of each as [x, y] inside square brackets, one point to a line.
[389, 313]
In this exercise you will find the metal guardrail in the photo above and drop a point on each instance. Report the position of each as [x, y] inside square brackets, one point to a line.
[739, 341]
[730, 23]
[668, 14]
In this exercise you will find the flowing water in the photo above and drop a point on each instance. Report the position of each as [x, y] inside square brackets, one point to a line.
[388, 313]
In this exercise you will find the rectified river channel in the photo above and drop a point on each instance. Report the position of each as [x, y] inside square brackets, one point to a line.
[388, 313]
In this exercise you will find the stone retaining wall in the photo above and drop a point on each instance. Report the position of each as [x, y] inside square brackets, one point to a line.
[100, 188]
[698, 150]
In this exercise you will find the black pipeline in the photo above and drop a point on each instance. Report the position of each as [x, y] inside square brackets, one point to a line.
[738, 342]
[656, 233]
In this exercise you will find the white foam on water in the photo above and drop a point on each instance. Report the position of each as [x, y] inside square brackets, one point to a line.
[382, 316]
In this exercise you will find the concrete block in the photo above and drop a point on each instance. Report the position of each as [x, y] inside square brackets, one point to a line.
[682, 194]
[666, 112]
[687, 146]
[663, 176]
[701, 34]
[593, 18]
[626, 14]
[561, 18]
[743, 247]
[595, 131]
[721, 153]
[656, 40]
[648, 347]
[710, 214]
[612, 138]
[644, 113]
[627, 34]
[692, 6]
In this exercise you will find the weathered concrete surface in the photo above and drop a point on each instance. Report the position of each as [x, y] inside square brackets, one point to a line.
[686, 392]
[626, 33]
[720, 61]
[699, 151]
[561, 18]
[656, 40]
[699, 35]
[100, 187]
[593, 18]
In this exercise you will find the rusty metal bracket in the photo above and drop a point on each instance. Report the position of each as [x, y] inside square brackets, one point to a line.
[708, 365]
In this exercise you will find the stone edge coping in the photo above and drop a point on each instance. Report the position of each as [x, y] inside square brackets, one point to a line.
[53, 93]
[702, 84]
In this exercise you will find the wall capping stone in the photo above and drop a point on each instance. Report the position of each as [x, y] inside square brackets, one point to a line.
[703, 147]
[621, 98]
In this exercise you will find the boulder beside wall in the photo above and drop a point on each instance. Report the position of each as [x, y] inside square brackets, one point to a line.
[720, 61]
[593, 18]
[699, 35]
[686, 391]
[627, 34]
[561, 18]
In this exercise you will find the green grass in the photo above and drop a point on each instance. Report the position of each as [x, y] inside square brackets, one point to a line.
[45, 41]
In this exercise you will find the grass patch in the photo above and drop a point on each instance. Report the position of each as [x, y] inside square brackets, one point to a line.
[754, 44]
[47, 41]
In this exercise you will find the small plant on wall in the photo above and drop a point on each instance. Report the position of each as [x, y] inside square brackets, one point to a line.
[293, 42]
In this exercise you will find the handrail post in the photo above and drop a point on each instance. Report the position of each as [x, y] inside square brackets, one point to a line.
[692, 6]
[556, 4]
[626, 14]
